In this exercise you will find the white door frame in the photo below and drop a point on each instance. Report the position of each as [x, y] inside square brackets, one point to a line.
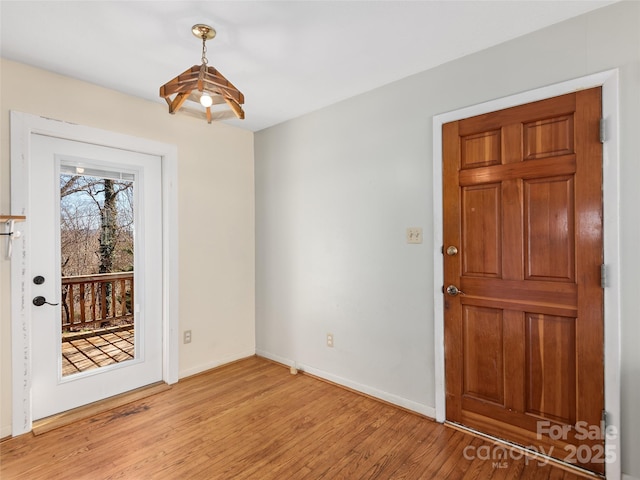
[611, 204]
[23, 125]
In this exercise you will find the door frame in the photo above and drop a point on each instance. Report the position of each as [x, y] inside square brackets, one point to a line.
[611, 211]
[23, 126]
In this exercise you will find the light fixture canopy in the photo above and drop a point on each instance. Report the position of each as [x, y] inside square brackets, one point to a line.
[203, 85]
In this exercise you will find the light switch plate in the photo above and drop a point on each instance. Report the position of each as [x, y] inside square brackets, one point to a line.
[414, 234]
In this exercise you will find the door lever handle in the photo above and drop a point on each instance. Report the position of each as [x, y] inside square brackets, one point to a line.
[39, 301]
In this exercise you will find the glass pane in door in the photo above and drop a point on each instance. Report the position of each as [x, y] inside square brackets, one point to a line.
[96, 264]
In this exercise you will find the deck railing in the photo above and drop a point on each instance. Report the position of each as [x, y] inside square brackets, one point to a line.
[93, 301]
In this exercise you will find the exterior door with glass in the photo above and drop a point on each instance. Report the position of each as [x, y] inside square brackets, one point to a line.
[95, 245]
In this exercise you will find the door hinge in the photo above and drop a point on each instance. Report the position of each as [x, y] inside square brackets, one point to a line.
[603, 130]
[603, 276]
[604, 418]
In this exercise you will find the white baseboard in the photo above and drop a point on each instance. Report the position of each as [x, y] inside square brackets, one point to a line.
[425, 410]
[215, 363]
[5, 431]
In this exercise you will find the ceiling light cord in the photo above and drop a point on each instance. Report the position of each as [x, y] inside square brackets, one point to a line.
[205, 99]
[204, 51]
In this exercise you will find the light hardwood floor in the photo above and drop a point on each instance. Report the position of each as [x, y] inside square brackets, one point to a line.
[254, 420]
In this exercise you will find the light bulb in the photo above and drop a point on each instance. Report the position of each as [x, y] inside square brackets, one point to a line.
[206, 100]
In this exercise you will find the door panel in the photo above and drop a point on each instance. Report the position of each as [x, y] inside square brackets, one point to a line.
[483, 354]
[551, 367]
[549, 226]
[482, 149]
[550, 137]
[481, 236]
[523, 204]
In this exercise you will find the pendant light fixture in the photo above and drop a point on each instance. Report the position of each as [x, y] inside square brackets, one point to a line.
[203, 87]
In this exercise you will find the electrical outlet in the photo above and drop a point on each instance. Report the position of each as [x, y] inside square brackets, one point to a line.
[414, 234]
[186, 337]
[330, 340]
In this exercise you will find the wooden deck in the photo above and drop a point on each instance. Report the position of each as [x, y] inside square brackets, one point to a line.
[253, 420]
[82, 352]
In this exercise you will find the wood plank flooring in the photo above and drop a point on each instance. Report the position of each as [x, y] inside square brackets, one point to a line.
[253, 420]
[63, 419]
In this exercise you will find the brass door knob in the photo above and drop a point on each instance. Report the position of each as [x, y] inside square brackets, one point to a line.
[454, 291]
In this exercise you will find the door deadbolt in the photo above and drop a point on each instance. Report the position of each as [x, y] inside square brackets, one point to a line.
[38, 280]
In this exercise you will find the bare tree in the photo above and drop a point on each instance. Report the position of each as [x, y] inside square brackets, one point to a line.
[96, 227]
[96, 208]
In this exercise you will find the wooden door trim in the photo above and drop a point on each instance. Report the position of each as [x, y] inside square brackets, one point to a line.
[610, 108]
[23, 126]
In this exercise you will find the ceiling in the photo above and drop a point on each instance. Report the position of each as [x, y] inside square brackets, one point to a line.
[287, 57]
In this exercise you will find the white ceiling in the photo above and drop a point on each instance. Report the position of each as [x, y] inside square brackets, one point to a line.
[287, 57]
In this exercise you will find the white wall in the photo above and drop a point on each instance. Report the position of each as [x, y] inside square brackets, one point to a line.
[336, 189]
[216, 211]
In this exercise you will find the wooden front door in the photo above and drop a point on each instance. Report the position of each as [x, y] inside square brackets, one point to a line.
[524, 337]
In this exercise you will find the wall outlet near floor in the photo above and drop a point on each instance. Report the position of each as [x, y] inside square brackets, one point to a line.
[186, 336]
[330, 340]
[414, 234]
